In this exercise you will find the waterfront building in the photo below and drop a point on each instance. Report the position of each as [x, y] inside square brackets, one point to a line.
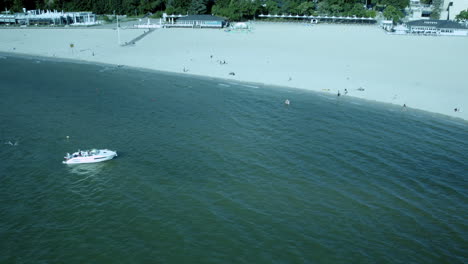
[323, 19]
[436, 27]
[47, 17]
[417, 11]
[196, 21]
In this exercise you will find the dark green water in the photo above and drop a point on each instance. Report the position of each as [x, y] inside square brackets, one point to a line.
[216, 172]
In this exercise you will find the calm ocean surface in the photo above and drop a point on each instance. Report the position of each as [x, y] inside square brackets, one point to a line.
[213, 171]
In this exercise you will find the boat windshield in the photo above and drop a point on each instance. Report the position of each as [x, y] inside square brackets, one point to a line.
[94, 152]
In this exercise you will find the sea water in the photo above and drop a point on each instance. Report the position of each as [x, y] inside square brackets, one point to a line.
[216, 171]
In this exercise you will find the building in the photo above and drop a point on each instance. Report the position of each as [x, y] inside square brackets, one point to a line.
[42, 17]
[323, 19]
[436, 27]
[7, 19]
[386, 25]
[198, 21]
[416, 10]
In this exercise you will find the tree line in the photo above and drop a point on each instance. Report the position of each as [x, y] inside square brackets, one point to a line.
[231, 9]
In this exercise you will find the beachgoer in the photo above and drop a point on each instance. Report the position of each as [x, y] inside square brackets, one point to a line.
[346, 91]
[456, 109]
[338, 93]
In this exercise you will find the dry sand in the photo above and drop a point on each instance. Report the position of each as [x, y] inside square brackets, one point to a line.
[427, 73]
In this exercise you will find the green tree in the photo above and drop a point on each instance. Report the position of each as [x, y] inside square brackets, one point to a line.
[393, 14]
[17, 6]
[237, 9]
[435, 14]
[197, 7]
[272, 7]
[143, 6]
[399, 4]
[462, 16]
[306, 8]
[181, 6]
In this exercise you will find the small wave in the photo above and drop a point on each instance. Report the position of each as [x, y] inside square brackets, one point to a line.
[105, 69]
[250, 86]
[11, 143]
[327, 97]
[3, 58]
[224, 85]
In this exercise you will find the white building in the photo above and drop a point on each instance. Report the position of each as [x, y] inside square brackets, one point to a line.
[437, 28]
[418, 11]
[47, 17]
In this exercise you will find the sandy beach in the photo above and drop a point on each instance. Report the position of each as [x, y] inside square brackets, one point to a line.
[421, 72]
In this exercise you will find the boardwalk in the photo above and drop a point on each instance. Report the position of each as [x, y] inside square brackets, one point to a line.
[135, 40]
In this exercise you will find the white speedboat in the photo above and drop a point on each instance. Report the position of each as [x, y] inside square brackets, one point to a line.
[89, 156]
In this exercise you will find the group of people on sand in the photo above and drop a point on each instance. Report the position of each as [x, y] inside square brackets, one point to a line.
[221, 62]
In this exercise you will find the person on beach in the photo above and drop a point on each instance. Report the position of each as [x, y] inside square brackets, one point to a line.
[338, 93]
[345, 91]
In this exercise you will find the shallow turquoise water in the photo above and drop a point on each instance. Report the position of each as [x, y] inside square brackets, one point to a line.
[213, 171]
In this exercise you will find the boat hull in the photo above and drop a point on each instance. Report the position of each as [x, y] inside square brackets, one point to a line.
[102, 156]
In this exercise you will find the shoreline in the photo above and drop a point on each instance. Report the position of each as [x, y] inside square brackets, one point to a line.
[229, 81]
[284, 55]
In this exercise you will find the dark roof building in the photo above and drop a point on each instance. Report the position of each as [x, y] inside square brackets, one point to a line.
[200, 21]
[437, 27]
